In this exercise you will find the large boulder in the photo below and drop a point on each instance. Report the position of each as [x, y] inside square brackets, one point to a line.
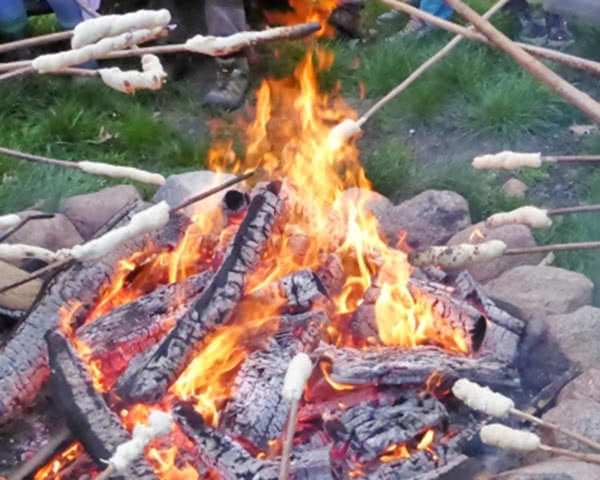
[91, 211]
[561, 468]
[578, 415]
[578, 335]
[515, 236]
[179, 188]
[21, 297]
[430, 218]
[545, 289]
[585, 386]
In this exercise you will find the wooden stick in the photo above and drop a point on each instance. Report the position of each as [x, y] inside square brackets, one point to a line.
[570, 210]
[42, 455]
[289, 440]
[548, 54]
[17, 73]
[570, 158]
[35, 41]
[586, 457]
[424, 67]
[554, 426]
[563, 88]
[53, 267]
[107, 472]
[557, 247]
[212, 191]
[22, 223]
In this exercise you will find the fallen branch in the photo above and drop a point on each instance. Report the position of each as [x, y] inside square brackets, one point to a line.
[514, 160]
[535, 217]
[95, 168]
[18, 223]
[347, 129]
[497, 405]
[546, 53]
[552, 80]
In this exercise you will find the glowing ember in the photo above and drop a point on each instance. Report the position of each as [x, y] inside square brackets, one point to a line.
[53, 468]
[394, 452]
[426, 441]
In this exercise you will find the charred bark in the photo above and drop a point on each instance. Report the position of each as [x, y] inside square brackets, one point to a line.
[422, 465]
[296, 293]
[132, 328]
[24, 358]
[370, 428]
[215, 306]
[220, 452]
[257, 411]
[87, 414]
[394, 366]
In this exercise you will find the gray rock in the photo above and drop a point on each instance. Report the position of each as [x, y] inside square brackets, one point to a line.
[560, 468]
[91, 211]
[430, 218]
[578, 335]
[581, 416]
[179, 188]
[545, 289]
[585, 386]
[514, 188]
[515, 236]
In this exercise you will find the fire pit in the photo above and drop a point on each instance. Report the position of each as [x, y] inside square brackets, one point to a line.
[202, 319]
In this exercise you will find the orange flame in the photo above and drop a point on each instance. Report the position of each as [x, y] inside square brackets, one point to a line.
[394, 452]
[475, 235]
[307, 11]
[53, 468]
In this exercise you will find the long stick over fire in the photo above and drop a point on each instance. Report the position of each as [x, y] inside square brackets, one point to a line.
[551, 79]
[99, 246]
[514, 160]
[535, 217]
[457, 256]
[350, 128]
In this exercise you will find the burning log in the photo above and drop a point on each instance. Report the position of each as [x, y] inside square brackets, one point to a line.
[24, 358]
[214, 307]
[130, 329]
[297, 292]
[257, 410]
[394, 366]
[220, 452]
[422, 465]
[371, 428]
[87, 414]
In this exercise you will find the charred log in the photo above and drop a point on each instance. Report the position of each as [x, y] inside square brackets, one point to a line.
[422, 465]
[296, 293]
[132, 328]
[394, 366]
[220, 452]
[87, 414]
[370, 428]
[24, 358]
[214, 307]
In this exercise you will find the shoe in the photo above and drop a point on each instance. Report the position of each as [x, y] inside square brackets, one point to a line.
[532, 32]
[389, 17]
[347, 19]
[560, 37]
[416, 28]
[231, 84]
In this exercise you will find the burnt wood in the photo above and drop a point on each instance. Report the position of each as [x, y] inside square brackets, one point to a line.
[395, 366]
[296, 293]
[220, 452]
[371, 427]
[24, 358]
[132, 328]
[421, 465]
[158, 370]
[86, 413]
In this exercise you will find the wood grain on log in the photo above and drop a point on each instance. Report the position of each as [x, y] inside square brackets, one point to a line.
[24, 358]
[132, 328]
[98, 429]
[215, 306]
[395, 366]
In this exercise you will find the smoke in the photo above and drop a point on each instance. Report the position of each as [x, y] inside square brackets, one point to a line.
[587, 10]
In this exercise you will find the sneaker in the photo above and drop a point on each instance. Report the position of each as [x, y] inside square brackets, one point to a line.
[416, 28]
[560, 37]
[347, 19]
[532, 32]
[231, 84]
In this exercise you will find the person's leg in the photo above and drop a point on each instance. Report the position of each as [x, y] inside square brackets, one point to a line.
[223, 18]
[68, 13]
[13, 18]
